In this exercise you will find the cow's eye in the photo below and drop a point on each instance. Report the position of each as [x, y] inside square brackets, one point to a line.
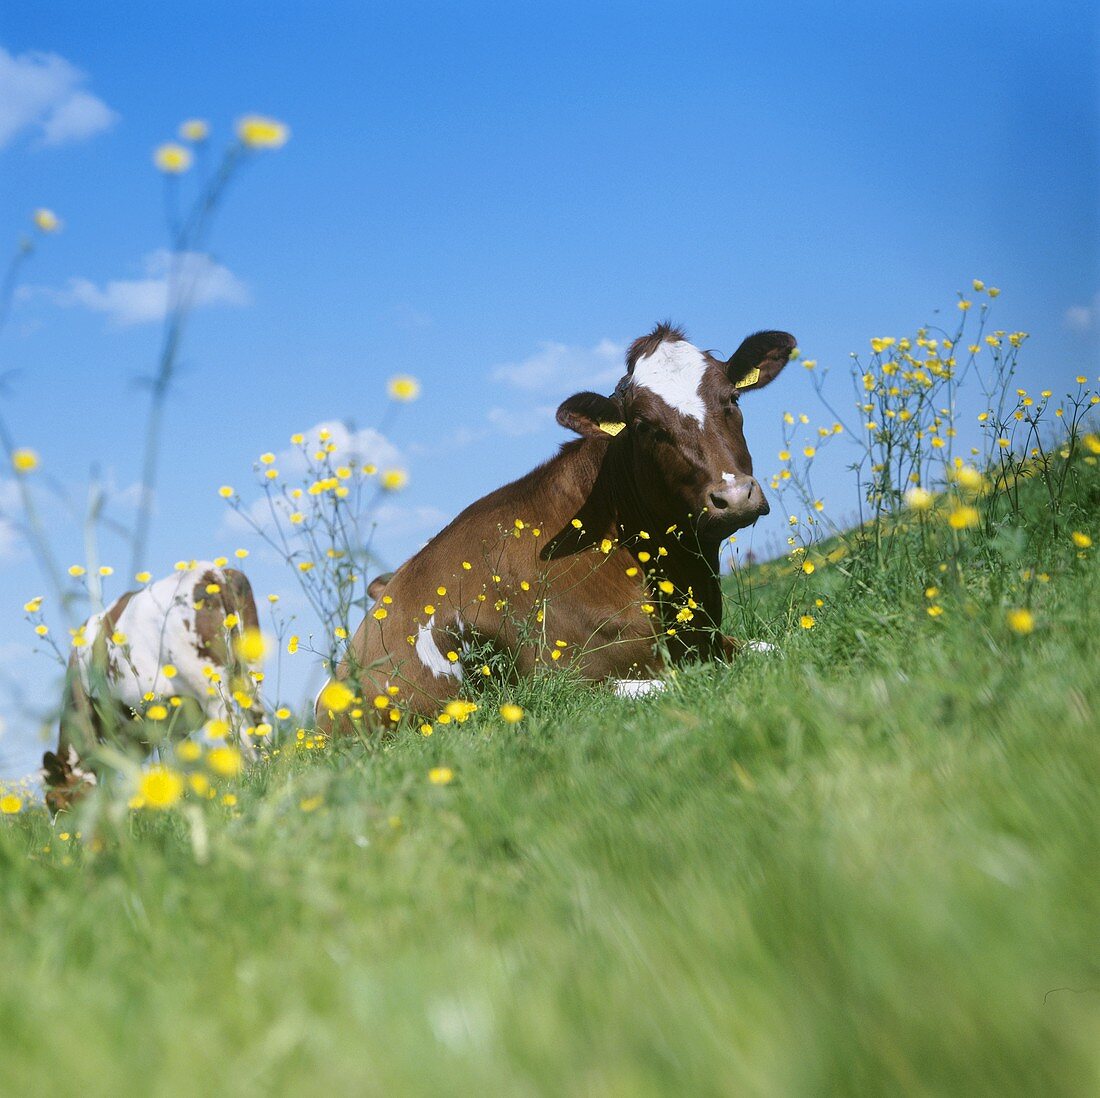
[652, 431]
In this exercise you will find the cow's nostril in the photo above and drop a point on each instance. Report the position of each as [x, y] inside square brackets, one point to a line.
[717, 502]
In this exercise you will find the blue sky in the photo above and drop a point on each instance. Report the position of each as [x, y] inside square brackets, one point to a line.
[496, 198]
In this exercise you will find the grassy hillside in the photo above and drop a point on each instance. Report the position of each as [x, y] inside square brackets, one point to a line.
[866, 863]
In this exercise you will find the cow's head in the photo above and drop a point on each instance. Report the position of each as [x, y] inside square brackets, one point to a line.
[677, 418]
[65, 779]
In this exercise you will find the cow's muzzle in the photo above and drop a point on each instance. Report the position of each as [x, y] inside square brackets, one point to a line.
[738, 501]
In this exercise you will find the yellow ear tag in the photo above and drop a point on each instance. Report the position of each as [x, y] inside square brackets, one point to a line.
[612, 428]
[751, 378]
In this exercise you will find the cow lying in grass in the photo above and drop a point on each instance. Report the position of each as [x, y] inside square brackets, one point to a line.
[605, 558]
[171, 645]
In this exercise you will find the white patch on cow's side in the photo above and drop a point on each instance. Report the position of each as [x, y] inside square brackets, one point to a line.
[674, 372]
[637, 688]
[431, 657]
[760, 646]
[159, 627]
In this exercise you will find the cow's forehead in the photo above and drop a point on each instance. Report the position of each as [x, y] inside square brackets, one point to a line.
[674, 372]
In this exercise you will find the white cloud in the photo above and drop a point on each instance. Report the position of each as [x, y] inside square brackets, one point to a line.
[126, 302]
[81, 116]
[1080, 318]
[11, 503]
[42, 92]
[352, 447]
[525, 421]
[366, 446]
[559, 367]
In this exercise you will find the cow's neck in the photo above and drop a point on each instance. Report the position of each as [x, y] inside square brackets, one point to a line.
[599, 489]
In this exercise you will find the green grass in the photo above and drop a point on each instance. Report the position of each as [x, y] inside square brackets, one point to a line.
[857, 866]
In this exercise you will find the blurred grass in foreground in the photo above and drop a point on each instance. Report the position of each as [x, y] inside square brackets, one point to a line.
[862, 865]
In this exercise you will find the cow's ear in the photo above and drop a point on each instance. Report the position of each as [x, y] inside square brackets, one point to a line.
[591, 415]
[759, 359]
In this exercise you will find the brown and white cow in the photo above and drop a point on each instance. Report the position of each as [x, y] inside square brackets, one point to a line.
[173, 639]
[607, 554]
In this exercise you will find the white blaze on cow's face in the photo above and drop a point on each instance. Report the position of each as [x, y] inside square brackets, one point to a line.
[674, 372]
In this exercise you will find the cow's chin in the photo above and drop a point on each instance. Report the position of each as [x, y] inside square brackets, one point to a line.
[718, 527]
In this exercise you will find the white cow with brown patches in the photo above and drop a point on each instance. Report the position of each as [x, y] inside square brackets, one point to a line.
[177, 622]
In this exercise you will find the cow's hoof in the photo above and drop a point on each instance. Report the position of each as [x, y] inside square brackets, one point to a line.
[637, 688]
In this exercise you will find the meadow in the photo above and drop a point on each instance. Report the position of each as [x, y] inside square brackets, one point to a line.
[862, 864]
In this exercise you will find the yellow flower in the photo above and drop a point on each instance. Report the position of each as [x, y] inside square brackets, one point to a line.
[257, 132]
[189, 751]
[511, 712]
[666, 587]
[380, 613]
[169, 671]
[808, 567]
[1021, 621]
[251, 646]
[160, 787]
[393, 480]
[216, 730]
[34, 605]
[106, 570]
[267, 459]
[403, 387]
[24, 461]
[969, 478]
[156, 712]
[1081, 540]
[978, 285]
[605, 545]
[336, 696]
[225, 491]
[292, 645]
[809, 451]
[225, 761]
[963, 518]
[935, 611]
[310, 804]
[919, 499]
[42, 630]
[806, 621]
[10, 804]
[230, 621]
[194, 129]
[240, 554]
[440, 775]
[172, 159]
[76, 570]
[453, 657]
[46, 220]
[143, 577]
